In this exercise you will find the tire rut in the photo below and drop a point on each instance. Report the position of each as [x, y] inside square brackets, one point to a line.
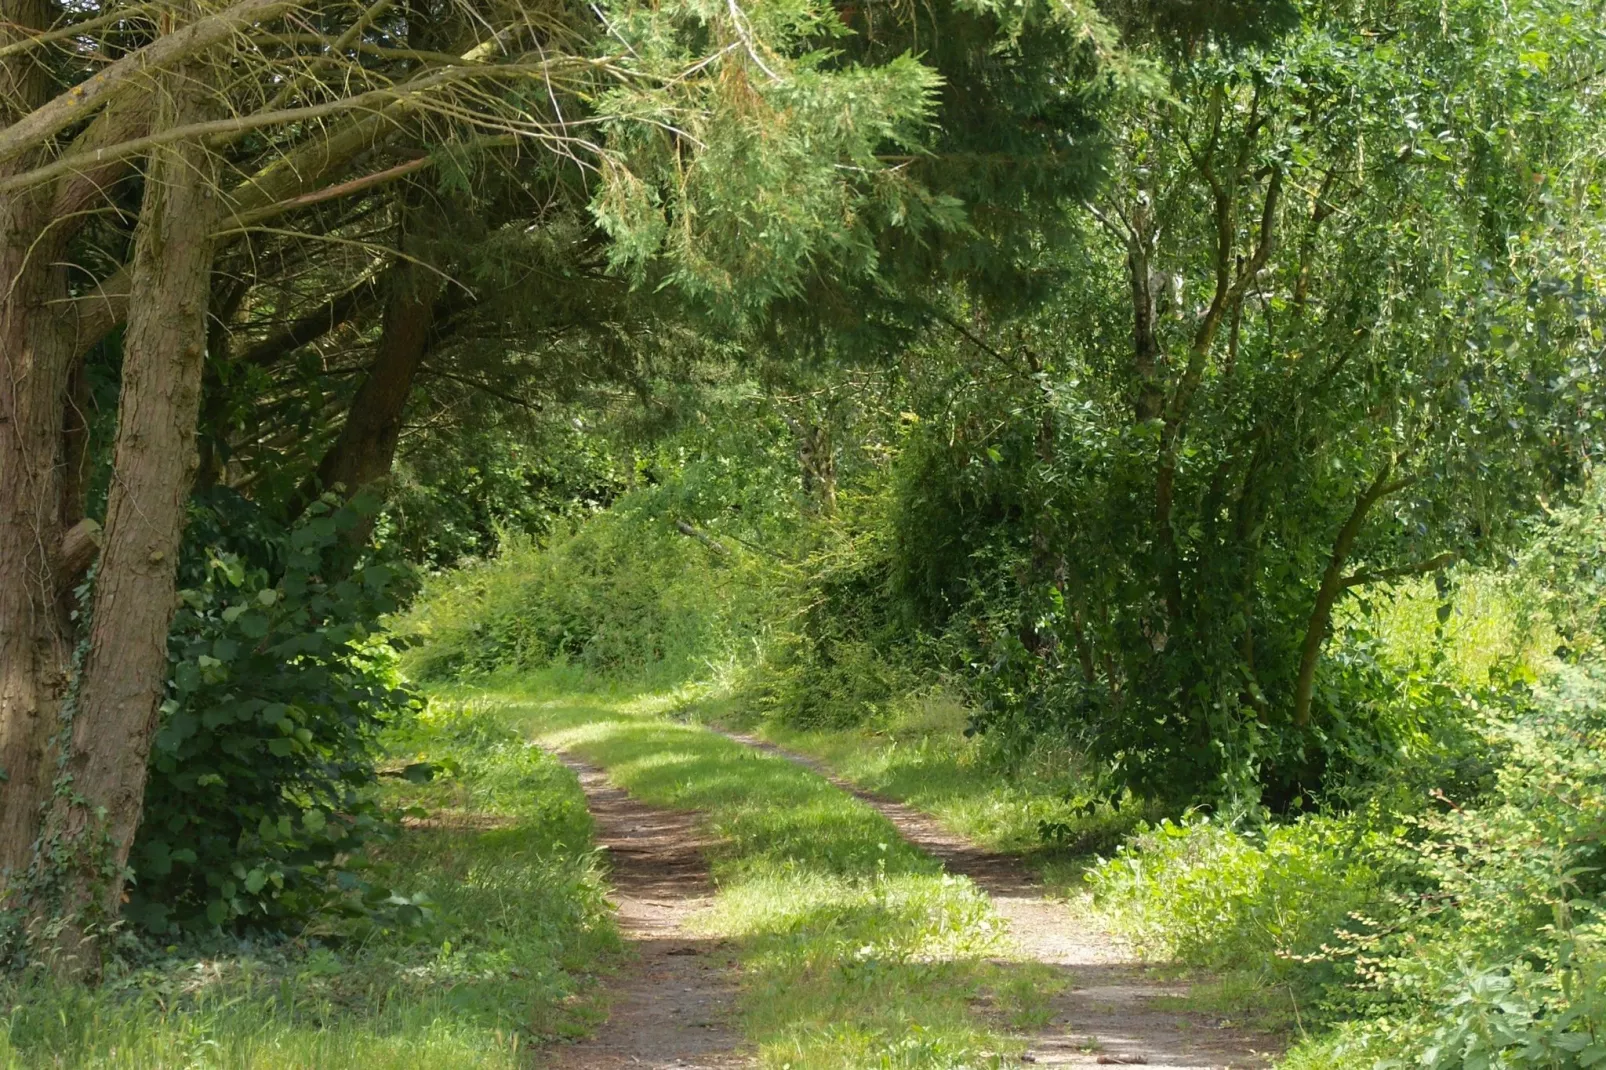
[1106, 1015]
[670, 1006]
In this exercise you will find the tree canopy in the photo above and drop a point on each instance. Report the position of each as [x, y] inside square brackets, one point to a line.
[1106, 363]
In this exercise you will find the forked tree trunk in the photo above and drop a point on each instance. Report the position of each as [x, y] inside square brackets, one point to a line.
[91, 825]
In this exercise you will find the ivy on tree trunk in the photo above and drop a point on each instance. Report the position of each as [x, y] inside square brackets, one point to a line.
[96, 811]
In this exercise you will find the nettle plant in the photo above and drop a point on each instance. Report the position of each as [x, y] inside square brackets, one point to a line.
[263, 771]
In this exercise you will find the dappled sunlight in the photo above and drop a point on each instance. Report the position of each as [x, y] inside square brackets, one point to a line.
[508, 920]
[856, 948]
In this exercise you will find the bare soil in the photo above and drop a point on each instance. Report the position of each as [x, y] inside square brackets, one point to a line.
[671, 1004]
[1107, 1014]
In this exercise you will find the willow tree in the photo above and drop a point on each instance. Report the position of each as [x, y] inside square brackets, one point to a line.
[1333, 324]
[213, 124]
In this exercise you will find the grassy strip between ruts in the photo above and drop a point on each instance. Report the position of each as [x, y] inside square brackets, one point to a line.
[1038, 806]
[1035, 806]
[514, 917]
[857, 951]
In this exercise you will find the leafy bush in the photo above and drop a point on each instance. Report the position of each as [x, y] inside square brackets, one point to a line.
[1503, 961]
[1462, 935]
[679, 573]
[1561, 575]
[843, 654]
[624, 595]
[262, 773]
[453, 495]
[1210, 893]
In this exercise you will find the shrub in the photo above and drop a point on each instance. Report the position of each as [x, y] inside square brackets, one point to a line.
[1502, 960]
[262, 771]
[1464, 934]
[624, 594]
[1211, 893]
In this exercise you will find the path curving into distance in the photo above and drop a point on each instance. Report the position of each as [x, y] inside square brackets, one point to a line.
[1106, 1016]
[673, 1003]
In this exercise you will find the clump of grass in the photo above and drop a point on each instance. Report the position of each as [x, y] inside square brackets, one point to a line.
[513, 919]
[856, 949]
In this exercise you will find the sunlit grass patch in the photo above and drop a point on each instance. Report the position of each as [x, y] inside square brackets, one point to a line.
[515, 921]
[1041, 806]
[857, 950]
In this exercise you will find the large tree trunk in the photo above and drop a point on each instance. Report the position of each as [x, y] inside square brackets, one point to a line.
[367, 444]
[35, 354]
[35, 645]
[91, 826]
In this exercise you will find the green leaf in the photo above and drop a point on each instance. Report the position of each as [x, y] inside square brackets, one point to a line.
[253, 625]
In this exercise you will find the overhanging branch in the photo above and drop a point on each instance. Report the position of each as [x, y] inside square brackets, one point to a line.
[1420, 568]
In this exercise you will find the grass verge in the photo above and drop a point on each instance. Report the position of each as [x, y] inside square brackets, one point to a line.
[857, 951]
[514, 919]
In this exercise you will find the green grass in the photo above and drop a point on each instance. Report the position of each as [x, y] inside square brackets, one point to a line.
[516, 922]
[856, 950]
[1037, 805]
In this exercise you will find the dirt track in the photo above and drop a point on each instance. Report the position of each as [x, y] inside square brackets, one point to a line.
[671, 1004]
[673, 1001]
[1106, 1015]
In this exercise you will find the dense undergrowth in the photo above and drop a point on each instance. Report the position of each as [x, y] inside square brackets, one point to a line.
[1431, 903]
[499, 924]
[1442, 934]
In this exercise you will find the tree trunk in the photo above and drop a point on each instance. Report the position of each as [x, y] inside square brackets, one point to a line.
[35, 354]
[366, 448]
[816, 461]
[1331, 587]
[35, 644]
[367, 444]
[91, 826]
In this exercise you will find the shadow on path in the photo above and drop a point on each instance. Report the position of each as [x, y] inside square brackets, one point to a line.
[670, 1005]
[1107, 1014]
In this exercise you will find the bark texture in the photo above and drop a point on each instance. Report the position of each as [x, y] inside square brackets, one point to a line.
[91, 828]
[36, 349]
